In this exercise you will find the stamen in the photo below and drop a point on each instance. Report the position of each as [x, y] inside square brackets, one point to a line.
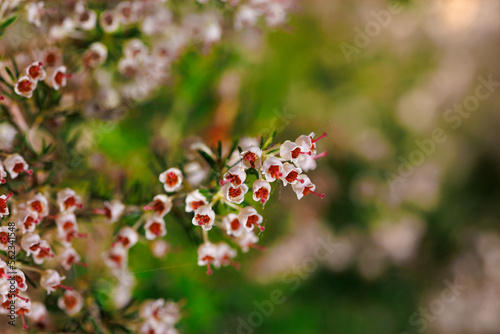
[25, 326]
[22, 298]
[148, 207]
[100, 211]
[79, 206]
[6, 198]
[308, 153]
[5, 275]
[80, 235]
[54, 217]
[321, 155]
[64, 287]
[82, 264]
[320, 137]
[223, 182]
[2, 181]
[29, 171]
[2, 98]
[317, 194]
[209, 270]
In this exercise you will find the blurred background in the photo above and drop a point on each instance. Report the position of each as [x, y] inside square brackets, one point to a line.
[407, 238]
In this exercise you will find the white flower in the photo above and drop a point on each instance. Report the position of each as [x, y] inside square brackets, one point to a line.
[225, 254]
[51, 280]
[42, 252]
[161, 205]
[109, 21]
[38, 313]
[69, 256]
[246, 240]
[194, 200]
[232, 224]
[25, 86]
[27, 221]
[128, 12]
[59, 77]
[95, 55]
[71, 302]
[171, 179]
[251, 157]
[112, 210]
[155, 227]
[249, 217]
[68, 200]
[290, 174]
[35, 71]
[15, 164]
[4, 209]
[236, 175]
[204, 217]
[306, 163]
[207, 255]
[261, 190]
[235, 194]
[159, 248]
[127, 237]
[35, 12]
[135, 49]
[303, 188]
[246, 16]
[87, 19]
[7, 135]
[116, 257]
[273, 169]
[39, 205]
[29, 241]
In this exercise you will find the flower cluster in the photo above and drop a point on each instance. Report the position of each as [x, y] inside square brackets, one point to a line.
[29, 236]
[159, 317]
[224, 204]
[55, 78]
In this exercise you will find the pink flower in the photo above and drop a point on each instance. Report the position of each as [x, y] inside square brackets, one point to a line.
[235, 175]
[4, 209]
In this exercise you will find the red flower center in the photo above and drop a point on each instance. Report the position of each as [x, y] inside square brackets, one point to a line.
[274, 171]
[70, 301]
[234, 192]
[202, 219]
[24, 86]
[292, 176]
[235, 224]
[172, 179]
[196, 204]
[155, 228]
[251, 158]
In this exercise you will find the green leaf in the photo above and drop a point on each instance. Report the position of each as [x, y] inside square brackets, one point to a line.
[219, 150]
[208, 159]
[269, 140]
[8, 22]
[9, 72]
